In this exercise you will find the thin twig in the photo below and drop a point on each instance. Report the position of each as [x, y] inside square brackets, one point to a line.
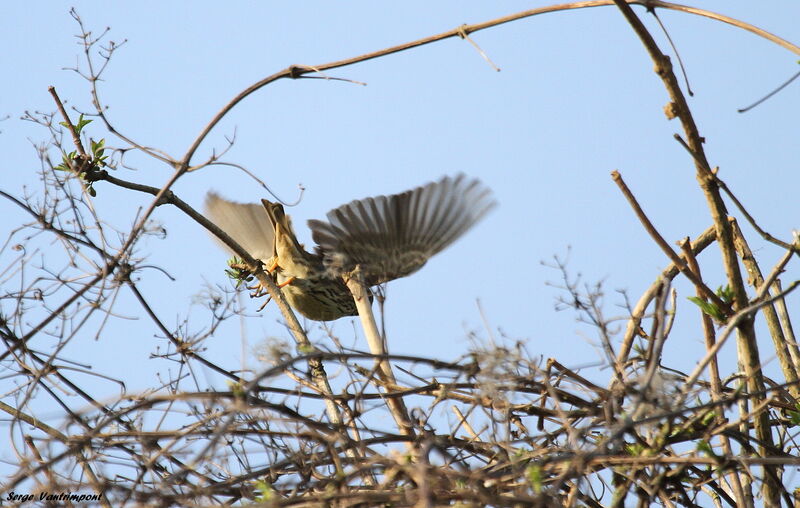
[676, 260]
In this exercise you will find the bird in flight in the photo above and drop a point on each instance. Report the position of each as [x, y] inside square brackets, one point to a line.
[388, 237]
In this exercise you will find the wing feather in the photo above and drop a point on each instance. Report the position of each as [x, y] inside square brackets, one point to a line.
[394, 236]
[248, 224]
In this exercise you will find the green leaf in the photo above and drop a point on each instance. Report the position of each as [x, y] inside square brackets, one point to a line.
[708, 308]
[236, 388]
[634, 449]
[239, 277]
[81, 123]
[98, 147]
[266, 493]
[706, 449]
[238, 274]
[306, 349]
[725, 293]
[534, 473]
[794, 416]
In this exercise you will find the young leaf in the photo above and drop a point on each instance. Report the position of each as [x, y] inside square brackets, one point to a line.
[708, 308]
[725, 293]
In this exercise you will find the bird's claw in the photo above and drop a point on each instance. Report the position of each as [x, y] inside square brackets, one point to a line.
[258, 289]
[269, 298]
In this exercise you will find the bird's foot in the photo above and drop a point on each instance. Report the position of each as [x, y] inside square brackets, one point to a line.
[258, 288]
[269, 299]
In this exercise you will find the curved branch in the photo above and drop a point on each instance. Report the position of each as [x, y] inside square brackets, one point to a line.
[297, 71]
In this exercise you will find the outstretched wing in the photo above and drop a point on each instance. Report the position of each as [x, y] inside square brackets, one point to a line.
[248, 224]
[394, 236]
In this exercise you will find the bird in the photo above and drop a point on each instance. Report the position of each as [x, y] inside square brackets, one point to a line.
[387, 237]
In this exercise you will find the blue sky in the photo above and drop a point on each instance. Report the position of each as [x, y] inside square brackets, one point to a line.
[576, 98]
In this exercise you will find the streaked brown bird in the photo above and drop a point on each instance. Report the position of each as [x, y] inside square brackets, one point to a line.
[387, 236]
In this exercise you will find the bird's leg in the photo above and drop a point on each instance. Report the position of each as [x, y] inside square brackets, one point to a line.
[282, 284]
[258, 289]
[269, 299]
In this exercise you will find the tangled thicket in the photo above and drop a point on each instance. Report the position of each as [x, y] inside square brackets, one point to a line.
[498, 427]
